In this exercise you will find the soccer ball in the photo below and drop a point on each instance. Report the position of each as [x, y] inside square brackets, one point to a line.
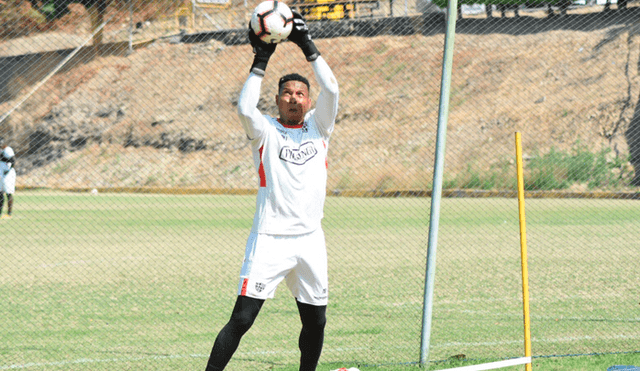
[272, 21]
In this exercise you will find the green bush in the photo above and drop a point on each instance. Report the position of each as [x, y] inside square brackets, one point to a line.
[580, 164]
[554, 170]
[547, 172]
[18, 19]
[557, 170]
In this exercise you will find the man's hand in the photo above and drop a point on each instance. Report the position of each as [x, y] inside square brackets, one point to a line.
[301, 37]
[262, 53]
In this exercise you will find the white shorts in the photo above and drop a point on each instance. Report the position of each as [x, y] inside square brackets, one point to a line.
[300, 259]
[8, 182]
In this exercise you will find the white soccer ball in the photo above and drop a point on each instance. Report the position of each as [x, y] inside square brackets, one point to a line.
[272, 21]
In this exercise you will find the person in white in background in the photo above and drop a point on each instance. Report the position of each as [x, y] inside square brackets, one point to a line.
[7, 179]
[286, 241]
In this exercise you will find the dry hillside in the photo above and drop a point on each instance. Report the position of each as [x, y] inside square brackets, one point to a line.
[165, 115]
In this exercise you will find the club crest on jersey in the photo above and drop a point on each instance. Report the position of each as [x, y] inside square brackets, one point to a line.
[298, 156]
[260, 286]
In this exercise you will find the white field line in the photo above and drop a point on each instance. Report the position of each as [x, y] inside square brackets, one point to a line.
[494, 365]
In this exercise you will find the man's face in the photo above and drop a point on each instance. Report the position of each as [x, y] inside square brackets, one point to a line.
[293, 102]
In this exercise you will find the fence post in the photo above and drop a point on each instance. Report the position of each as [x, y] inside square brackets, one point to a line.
[438, 169]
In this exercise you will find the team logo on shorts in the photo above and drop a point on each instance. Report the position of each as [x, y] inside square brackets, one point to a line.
[260, 286]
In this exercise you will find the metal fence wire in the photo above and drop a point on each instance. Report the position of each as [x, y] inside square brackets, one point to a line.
[136, 186]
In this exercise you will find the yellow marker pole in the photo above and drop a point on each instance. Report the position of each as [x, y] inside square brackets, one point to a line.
[523, 254]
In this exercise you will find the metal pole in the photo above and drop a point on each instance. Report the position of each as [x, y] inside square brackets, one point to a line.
[434, 220]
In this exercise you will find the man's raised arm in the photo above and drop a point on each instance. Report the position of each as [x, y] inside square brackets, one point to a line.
[327, 104]
[250, 117]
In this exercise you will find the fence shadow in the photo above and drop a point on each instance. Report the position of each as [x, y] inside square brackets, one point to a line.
[526, 25]
[434, 24]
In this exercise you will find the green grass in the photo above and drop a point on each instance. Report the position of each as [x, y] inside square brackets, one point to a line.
[145, 282]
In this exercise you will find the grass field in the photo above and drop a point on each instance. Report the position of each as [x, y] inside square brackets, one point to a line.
[144, 282]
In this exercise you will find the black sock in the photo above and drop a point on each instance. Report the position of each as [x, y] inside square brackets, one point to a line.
[312, 335]
[244, 314]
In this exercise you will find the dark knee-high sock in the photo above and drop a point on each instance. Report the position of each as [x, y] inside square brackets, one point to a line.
[244, 314]
[312, 335]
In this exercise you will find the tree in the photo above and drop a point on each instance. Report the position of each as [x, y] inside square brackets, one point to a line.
[55, 9]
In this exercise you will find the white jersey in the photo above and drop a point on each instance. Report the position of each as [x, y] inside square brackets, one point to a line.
[7, 172]
[291, 161]
[5, 167]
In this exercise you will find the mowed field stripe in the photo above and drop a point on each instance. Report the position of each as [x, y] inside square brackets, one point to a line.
[556, 340]
[91, 361]
[155, 357]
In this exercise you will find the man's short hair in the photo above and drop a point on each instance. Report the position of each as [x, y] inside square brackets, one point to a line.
[292, 77]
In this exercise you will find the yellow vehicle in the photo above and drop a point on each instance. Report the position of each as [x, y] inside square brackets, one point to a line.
[316, 10]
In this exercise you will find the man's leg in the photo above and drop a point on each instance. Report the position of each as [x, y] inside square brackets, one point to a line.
[312, 335]
[9, 204]
[1, 201]
[244, 313]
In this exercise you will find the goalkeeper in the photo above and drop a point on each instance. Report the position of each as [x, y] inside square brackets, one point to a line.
[7, 178]
[286, 241]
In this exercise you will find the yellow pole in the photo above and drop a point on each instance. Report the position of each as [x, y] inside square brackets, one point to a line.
[523, 254]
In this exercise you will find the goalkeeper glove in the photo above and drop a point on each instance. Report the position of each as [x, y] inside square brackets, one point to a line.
[262, 53]
[300, 36]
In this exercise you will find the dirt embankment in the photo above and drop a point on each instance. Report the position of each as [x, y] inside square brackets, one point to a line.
[164, 116]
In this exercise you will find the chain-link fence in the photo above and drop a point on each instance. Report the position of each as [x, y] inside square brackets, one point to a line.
[135, 182]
